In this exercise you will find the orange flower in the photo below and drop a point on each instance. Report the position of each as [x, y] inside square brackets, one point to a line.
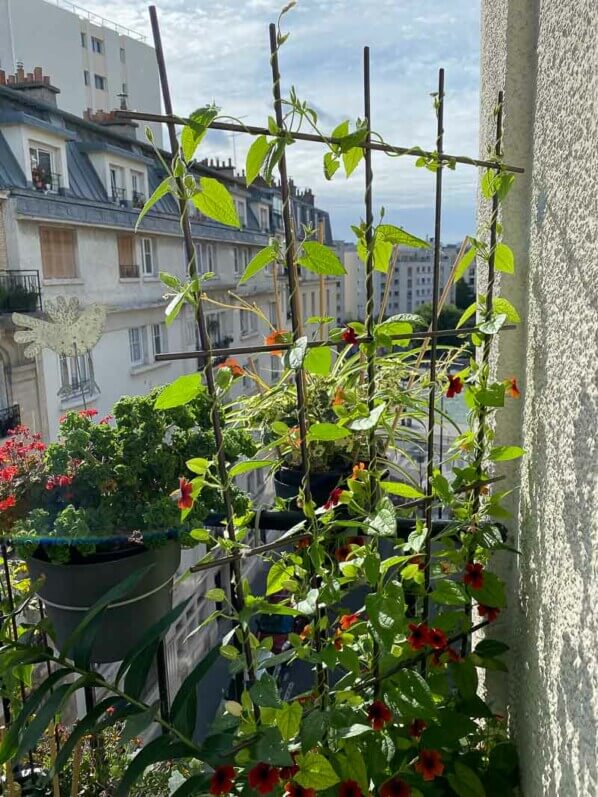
[277, 336]
[429, 764]
[338, 640]
[339, 397]
[294, 437]
[307, 632]
[235, 367]
[357, 469]
[347, 620]
[512, 388]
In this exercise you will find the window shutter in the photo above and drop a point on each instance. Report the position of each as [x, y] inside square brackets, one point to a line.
[58, 253]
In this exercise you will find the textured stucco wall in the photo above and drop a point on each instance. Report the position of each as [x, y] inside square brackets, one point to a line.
[544, 53]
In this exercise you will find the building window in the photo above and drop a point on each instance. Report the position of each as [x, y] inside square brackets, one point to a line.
[117, 181]
[241, 260]
[86, 77]
[83, 39]
[123, 57]
[241, 210]
[138, 186]
[248, 323]
[58, 253]
[99, 82]
[76, 376]
[128, 268]
[137, 346]
[207, 260]
[43, 176]
[147, 250]
[264, 219]
[97, 45]
[159, 338]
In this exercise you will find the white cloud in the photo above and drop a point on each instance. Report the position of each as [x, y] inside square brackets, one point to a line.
[218, 50]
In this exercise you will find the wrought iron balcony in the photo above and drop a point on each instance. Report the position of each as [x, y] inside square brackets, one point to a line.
[10, 418]
[128, 270]
[138, 199]
[45, 180]
[119, 195]
[20, 291]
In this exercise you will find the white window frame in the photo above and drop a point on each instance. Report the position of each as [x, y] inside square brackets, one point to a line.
[207, 258]
[159, 339]
[97, 45]
[77, 379]
[241, 260]
[36, 147]
[101, 80]
[264, 219]
[248, 323]
[241, 207]
[137, 343]
[148, 255]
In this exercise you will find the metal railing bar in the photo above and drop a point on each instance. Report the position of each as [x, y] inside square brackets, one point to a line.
[254, 130]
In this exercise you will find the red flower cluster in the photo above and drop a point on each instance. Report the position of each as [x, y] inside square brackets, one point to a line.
[455, 386]
[333, 498]
[8, 473]
[7, 503]
[295, 790]
[416, 728]
[379, 715]
[422, 636]
[58, 481]
[91, 413]
[349, 788]
[490, 613]
[350, 336]
[22, 463]
[222, 780]
[263, 778]
[289, 772]
[474, 575]
[348, 620]
[512, 388]
[395, 787]
[429, 764]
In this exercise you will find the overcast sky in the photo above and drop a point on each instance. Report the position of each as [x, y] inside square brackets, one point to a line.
[216, 50]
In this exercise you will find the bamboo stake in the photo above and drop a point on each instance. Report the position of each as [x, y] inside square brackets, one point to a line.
[77, 756]
[323, 308]
[53, 754]
[12, 789]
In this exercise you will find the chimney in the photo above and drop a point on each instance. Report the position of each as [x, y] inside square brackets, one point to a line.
[35, 84]
[124, 127]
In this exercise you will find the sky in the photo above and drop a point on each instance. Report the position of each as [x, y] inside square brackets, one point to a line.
[217, 51]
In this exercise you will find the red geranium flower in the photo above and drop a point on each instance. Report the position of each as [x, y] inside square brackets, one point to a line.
[222, 780]
[88, 413]
[474, 575]
[512, 388]
[263, 778]
[379, 715]
[342, 553]
[416, 728]
[395, 787]
[349, 788]
[8, 503]
[437, 638]
[489, 612]
[337, 641]
[333, 498]
[419, 636]
[185, 499]
[455, 386]
[295, 790]
[347, 620]
[349, 336]
[429, 764]
[8, 473]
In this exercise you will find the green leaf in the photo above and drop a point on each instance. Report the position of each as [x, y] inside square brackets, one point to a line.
[194, 786]
[465, 677]
[353, 767]
[44, 715]
[198, 465]
[278, 575]
[313, 728]
[215, 201]
[229, 652]
[195, 130]
[250, 465]
[465, 782]
[327, 431]
[288, 720]
[413, 695]
[296, 354]
[161, 749]
[256, 157]
[271, 747]
[487, 184]
[384, 522]
[466, 315]
[184, 706]
[490, 648]
[504, 757]
[504, 259]
[491, 395]
[215, 594]
[318, 361]
[386, 613]
[160, 191]
[320, 259]
[362, 424]
[85, 726]
[331, 165]
[504, 453]
[352, 159]
[180, 392]
[492, 593]
[381, 253]
[263, 258]
[169, 280]
[137, 724]
[397, 235]
[493, 325]
[315, 772]
[504, 306]
[265, 692]
[503, 183]
[402, 489]
[449, 593]
[464, 263]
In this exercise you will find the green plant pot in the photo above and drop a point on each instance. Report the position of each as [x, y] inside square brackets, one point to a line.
[68, 591]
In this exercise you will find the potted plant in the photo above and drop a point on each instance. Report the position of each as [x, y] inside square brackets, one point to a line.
[98, 505]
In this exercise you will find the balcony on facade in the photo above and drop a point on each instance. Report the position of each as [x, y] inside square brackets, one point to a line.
[138, 199]
[45, 180]
[20, 291]
[128, 271]
[10, 418]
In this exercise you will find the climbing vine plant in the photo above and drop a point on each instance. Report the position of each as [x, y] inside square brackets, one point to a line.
[383, 601]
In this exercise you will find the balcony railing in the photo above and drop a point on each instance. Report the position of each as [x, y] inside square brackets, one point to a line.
[138, 199]
[20, 291]
[119, 195]
[128, 271]
[44, 180]
[10, 418]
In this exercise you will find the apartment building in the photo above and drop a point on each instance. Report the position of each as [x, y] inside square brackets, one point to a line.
[403, 289]
[97, 63]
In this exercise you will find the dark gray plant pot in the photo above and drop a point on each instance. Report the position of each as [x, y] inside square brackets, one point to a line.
[70, 590]
[287, 482]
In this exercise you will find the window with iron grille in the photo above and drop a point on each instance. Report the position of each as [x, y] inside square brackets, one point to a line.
[137, 346]
[248, 323]
[147, 249]
[159, 341]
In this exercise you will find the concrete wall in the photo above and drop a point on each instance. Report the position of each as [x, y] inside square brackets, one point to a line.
[545, 55]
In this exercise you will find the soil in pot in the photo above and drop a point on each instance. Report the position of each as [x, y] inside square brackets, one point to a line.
[70, 590]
